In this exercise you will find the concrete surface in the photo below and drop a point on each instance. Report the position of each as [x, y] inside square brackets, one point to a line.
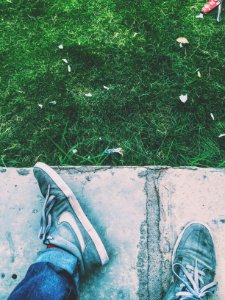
[138, 212]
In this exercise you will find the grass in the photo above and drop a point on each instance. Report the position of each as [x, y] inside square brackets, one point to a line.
[128, 46]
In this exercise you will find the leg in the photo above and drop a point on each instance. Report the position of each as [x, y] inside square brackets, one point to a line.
[193, 264]
[210, 5]
[219, 11]
[45, 281]
[73, 246]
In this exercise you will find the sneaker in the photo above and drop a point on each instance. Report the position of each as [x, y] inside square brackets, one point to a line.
[63, 222]
[193, 264]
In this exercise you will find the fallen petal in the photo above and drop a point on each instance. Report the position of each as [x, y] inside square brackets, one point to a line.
[199, 74]
[182, 40]
[40, 105]
[53, 102]
[221, 135]
[74, 151]
[105, 87]
[65, 60]
[212, 116]
[69, 68]
[200, 16]
[183, 98]
[88, 95]
[60, 46]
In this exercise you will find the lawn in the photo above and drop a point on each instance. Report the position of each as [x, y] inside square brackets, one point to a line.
[80, 77]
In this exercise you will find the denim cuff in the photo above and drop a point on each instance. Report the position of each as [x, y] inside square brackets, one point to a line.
[61, 259]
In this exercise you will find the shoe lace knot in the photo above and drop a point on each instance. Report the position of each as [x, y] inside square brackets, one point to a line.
[192, 282]
[46, 218]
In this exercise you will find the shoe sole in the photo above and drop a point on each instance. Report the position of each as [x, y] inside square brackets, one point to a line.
[182, 233]
[77, 210]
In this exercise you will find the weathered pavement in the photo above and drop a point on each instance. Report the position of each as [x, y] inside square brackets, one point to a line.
[138, 212]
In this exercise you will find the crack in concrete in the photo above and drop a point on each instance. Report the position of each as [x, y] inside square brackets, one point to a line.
[147, 220]
[154, 253]
[164, 244]
[155, 265]
[143, 259]
[11, 246]
[153, 270]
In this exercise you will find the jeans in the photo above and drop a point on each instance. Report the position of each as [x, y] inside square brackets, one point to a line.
[54, 276]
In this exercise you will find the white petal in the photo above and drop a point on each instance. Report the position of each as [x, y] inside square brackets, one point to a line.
[53, 102]
[65, 60]
[182, 40]
[221, 135]
[183, 98]
[136, 33]
[105, 87]
[60, 46]
[88, 95]
[199, 74]
[200, 16]
[212, 116]
[74, 151]
[69, 68]
[40, 105]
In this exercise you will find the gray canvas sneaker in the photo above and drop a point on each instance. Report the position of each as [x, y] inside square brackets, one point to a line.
[63, 222]
[193, 264]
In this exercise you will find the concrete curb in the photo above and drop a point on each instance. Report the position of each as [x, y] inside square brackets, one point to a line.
[138, 211]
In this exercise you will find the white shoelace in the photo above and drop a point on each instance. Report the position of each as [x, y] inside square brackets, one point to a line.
[193, 277]
[46, 218]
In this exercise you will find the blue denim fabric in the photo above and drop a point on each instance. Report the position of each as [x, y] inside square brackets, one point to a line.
[54, 276]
